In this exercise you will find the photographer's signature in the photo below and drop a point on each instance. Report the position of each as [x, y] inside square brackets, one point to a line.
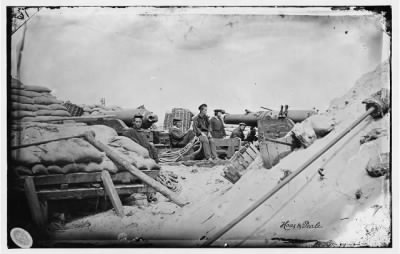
[287, 225]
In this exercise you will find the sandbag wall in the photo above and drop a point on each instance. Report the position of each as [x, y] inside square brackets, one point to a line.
[98, 109]
[71, 155]
[34, 103]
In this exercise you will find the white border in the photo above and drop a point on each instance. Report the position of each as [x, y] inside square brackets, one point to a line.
[395, 106]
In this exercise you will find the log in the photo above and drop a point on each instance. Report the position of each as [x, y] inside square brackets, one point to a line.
[116, 158]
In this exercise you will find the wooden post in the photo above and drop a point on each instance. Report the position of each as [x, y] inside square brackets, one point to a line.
[112, 193]
[115, 157]
[37, 211]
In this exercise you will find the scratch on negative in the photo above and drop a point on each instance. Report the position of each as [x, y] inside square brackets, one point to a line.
[208, 218]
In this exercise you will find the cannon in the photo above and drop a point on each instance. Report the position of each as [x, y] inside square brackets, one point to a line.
[251, 118]
[126, 115]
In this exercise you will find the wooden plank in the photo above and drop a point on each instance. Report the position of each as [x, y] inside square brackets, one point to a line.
[81, 193]
[67, 178]
[112, 193]
[82, 177]
[37, 211]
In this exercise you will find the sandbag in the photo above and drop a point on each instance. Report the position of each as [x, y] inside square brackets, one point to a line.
[16, 84]
[40, 106]
[21, 106]
[22, 99]
[92, 167]
[108, 165]
[28, 119]
[46, 100]
[54, 169]
[138, 161]
[57, 107]
[74, 168]
[43, 112]
[304, 133]
[60, 113]
[39, 169]
[129, 145]
[23, 92]
[22, 170]
[321, 124]
[70, 151]
[39, 89]
[22, 113]
[27, 156]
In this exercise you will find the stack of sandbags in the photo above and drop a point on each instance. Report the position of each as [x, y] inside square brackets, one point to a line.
[97, 109]
[229, 129]
[71, 155]
[34, 103]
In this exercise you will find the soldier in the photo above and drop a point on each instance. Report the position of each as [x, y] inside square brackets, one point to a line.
[252, 135]
[238, 132]
[202, 128]
[137, 135]
[178, 138]
[217, 125]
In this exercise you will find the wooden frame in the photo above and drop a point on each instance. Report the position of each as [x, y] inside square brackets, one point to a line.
[227, 146]
[39, 189]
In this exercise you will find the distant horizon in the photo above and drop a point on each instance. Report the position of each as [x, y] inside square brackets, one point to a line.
[177, 60]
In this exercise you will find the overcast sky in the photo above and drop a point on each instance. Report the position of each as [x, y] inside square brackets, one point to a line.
[234, 62]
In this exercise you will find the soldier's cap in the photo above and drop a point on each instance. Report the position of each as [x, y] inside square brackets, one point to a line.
[176, 120]
[137, 116]
[219, 110]
[242, 124]
[202, 105]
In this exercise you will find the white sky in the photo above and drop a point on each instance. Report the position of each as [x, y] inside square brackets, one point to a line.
[174, 59]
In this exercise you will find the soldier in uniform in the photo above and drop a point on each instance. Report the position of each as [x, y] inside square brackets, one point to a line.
[217, 124]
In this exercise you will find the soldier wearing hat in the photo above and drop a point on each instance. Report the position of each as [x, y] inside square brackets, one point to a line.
[178, 138]
[137, 135]
[202, 129]
[239, 131]
[217, 124]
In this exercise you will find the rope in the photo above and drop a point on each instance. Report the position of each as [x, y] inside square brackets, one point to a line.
[170, 180]
[174, 156]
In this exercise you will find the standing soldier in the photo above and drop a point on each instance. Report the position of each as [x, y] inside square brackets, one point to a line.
[202, 128]
[217, 125]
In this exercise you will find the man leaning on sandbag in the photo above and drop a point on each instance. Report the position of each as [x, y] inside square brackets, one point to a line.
[136, 134]
[202, 129]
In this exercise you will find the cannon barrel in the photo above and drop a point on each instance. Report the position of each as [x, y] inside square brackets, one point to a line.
[250, 119]
[126, 116]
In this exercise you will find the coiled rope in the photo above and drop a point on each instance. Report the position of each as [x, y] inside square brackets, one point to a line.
[174, 156]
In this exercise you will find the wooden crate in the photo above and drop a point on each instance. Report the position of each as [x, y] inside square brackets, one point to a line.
[239, 163]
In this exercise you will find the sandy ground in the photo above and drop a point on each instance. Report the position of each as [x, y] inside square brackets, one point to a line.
[346, 206]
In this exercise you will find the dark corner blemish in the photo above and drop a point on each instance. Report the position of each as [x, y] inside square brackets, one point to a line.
[384, 10]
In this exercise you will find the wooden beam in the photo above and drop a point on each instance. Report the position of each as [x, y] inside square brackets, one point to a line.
[112, 193]
[81, 193]
[83, 177]
[36, 209]
[115, 157]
